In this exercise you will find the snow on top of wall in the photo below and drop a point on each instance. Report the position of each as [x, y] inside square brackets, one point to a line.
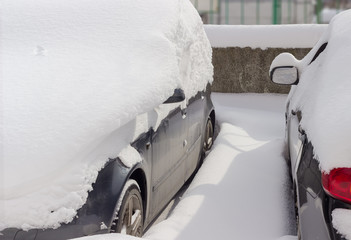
[261, 36]
[323, 95]
[74, 73]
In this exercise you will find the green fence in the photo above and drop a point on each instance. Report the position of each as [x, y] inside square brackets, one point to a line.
[268, 11]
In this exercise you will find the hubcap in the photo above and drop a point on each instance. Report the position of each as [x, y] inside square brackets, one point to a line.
[132, 218]
[208, 136]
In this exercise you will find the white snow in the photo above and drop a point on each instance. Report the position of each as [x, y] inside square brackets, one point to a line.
[323, 95]
[288, 237]
[74, 75]
[261, 36]
[103, 226]
[78, 82]
[342, 222]
[241, 185]
[242, 189]
[111, 236]
[130, 156]
[328, 13]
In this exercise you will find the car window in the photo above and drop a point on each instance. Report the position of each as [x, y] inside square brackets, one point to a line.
[320, 50]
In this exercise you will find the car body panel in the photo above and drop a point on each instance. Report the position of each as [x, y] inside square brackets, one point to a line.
[169, 154]
[196, 125]
[314, 204]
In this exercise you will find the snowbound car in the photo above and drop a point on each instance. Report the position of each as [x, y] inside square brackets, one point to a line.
[105, 113]
[318, 132]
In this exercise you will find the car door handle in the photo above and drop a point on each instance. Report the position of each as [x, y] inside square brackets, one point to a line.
[298, 114]
[301, 130]
[166, 123]
[184, 113]
[302, 134]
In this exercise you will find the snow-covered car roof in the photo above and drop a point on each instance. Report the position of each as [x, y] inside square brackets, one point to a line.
[324, 95]
[73, 73]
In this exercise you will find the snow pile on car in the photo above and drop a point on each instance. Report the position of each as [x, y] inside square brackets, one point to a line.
[342, 222]
[323, 96]
[72, 74]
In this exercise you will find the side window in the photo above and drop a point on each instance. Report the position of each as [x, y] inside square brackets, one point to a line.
[320, 50]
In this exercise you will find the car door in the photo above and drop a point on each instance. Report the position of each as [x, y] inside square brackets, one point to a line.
[168, 157]
[196, 122]
[296, 133]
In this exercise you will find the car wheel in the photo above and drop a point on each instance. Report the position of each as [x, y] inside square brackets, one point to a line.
[209, 132]
[130, 217]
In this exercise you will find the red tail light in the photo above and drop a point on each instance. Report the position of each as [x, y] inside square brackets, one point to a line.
[338, 183]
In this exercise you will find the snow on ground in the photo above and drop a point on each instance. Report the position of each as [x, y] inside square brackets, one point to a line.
[241, 191]
[74, 73]
[111, 236]
[261, 36]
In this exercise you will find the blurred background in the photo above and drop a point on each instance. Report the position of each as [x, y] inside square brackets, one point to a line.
[265, 12]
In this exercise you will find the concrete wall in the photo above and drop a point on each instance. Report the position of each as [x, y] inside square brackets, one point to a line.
[245, 70]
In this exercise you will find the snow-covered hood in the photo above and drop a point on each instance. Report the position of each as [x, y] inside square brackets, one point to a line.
[324, 95]
[74, 72]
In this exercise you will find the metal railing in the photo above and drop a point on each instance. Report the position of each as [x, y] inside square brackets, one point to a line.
[266, 11]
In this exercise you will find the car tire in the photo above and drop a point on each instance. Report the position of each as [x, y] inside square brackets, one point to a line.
[208, 137]
[130, 216]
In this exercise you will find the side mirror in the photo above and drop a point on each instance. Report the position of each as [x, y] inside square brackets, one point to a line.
[284, 69]
[287, 75]
[178, 96]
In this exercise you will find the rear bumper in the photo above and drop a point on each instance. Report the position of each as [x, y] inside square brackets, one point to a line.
[315, 206]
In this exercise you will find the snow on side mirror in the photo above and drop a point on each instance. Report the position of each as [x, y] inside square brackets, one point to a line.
[287, 75]
[285, 69]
